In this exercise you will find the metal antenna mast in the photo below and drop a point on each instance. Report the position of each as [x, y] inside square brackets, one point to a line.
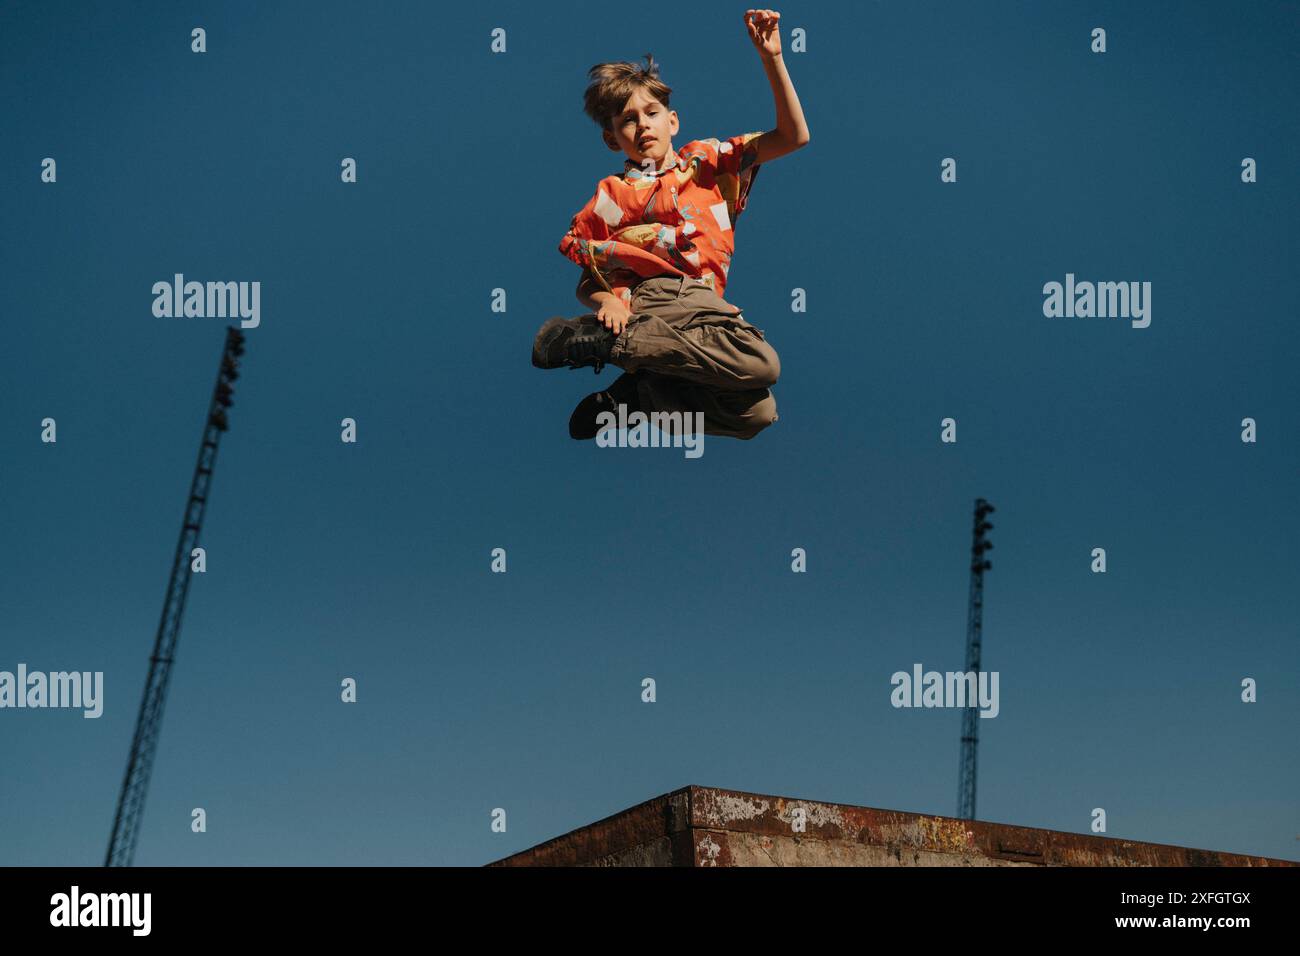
[130, 804]
[974, 628]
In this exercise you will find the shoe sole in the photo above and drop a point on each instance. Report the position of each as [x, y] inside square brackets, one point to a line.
[544, 335]
[555, 327]
[582, 423]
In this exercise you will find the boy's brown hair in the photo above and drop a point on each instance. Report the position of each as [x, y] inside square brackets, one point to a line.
[613, 83]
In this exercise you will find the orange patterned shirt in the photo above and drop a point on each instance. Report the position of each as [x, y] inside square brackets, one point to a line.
[678, 220]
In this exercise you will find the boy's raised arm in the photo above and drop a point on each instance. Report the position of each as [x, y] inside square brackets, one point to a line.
[791, 131]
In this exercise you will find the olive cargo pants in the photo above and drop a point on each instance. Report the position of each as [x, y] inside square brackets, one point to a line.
[692, 352]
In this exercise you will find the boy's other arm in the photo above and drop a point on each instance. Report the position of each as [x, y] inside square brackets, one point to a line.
[600, 298]
[610, 308]
[791, 131]
[591, 293]
[587, 287]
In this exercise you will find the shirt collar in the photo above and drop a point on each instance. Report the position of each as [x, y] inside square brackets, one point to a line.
[633, 171]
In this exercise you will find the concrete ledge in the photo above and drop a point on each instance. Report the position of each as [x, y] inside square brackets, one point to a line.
[704, 826]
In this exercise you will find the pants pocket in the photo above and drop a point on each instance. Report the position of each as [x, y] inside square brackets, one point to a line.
[643, 296]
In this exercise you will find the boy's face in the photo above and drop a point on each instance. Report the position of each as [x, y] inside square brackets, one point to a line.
[644, 129]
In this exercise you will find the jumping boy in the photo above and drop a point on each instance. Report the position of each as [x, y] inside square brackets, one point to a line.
[656, 245]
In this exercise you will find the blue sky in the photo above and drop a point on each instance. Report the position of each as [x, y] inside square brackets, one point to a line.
[522, 691]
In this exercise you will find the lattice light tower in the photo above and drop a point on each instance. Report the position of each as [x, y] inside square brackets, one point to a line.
[130, 804]
[970, 717]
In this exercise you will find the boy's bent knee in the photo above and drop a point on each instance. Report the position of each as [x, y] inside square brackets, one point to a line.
[759, 417]
[765, 368]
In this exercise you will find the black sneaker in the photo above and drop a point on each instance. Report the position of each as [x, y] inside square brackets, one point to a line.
[583, 422]
[572, 342]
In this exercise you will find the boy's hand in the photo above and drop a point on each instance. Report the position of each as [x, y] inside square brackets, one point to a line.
[764, 31]
[614, 315]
